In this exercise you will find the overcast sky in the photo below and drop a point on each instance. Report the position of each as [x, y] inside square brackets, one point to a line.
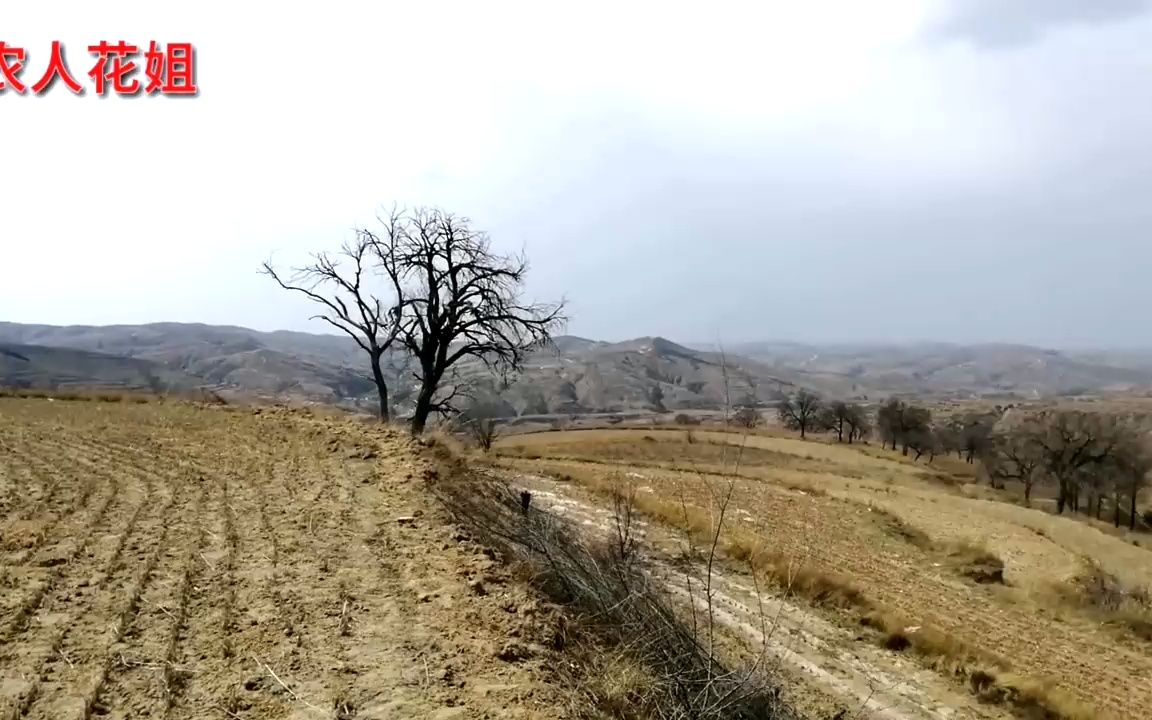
[813, 171]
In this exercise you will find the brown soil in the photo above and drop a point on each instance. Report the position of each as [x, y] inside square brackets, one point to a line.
[182, 562]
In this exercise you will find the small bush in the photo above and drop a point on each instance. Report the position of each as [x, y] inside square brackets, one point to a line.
[686, 419]
[977, 563]
[747, 418]
[483, 432]
[896, 641]
[1109, 599]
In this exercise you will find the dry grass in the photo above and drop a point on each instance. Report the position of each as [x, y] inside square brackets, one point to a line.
[976, 562]
[1114, 604]
[894, 525]
[988, 676]
[78, 395]
[969, 538]
[109, 395]
[635, 656]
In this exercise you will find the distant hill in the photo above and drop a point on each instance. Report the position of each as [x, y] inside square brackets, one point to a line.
[35, 366]
[948, 369]
[651, 373]
[576, 375]
[276, 364]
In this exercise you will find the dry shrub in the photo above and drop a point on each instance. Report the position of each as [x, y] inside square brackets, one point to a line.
[976, 562]
[896, 641]
[483, 432]
[648, 662]
[616, 684]
[1107, 598]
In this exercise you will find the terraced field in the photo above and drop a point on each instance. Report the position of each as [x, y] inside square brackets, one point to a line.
[169, 561]
[881, 525]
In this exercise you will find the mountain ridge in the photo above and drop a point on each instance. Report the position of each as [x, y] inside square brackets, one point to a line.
[574, 375]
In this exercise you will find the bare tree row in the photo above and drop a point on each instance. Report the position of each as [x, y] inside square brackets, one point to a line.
[1088, 460]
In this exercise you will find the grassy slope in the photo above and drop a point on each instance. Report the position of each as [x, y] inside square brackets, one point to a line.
[882, 527]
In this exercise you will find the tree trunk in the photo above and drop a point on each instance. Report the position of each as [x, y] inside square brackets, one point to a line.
[423, 409]
[1061, 497]
[803, 430]
[1116, 510]
[381, 387]
[1132, 506]
[1099, 504]
[1027, 494]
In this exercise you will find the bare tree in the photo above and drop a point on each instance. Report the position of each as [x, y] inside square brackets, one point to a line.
[842, 418]
[905, 425]
[975, 438]
[1017, 455]
[1073, 440]
[483, 432]
[479, 420]
[800, 411]
[464, 301]
[859, 426]
[888, 422]
[746, 417]
[656, 398]
[342, 284]
[1133, 463]
[920, 440]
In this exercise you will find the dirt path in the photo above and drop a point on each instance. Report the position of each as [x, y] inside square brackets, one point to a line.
[170, 562]
[821, 657]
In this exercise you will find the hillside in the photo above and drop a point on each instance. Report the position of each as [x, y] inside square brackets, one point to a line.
[949, 369]
[650, 373]
[576, 375]
[276, 364]
[34, 366]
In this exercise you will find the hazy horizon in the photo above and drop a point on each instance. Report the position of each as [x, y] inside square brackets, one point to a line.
[710, 345]
[831, 172]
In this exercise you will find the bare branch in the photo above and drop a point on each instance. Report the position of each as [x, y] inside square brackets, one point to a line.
[338, 283]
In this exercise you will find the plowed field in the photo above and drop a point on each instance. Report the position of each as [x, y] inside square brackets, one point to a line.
[162, 560]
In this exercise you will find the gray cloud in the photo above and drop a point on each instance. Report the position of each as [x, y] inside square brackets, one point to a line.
[1010, 23]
